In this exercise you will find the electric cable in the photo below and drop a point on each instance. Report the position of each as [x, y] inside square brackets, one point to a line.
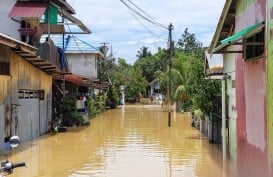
[141, 10]
[74, 38]
[158, 36]
[142, 16]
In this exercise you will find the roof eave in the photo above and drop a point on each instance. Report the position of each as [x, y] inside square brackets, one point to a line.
[63, 4]
[99, 54]
[76, 21]
[222, 19]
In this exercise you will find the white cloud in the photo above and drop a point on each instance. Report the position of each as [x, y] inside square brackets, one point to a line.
[112, 22]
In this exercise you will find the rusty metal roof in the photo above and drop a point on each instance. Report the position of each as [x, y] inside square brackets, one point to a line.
[28, 9]
[61, 3]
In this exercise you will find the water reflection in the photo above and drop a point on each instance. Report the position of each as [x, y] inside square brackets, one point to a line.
[130, 141]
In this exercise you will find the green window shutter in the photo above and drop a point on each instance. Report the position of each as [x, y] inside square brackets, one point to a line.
[53, 14]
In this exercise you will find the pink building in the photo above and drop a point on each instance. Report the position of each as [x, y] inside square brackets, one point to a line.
[244, 34]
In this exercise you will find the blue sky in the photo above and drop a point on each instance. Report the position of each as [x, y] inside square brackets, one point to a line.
[113, 23]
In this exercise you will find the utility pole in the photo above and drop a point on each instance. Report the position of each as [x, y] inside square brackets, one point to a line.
[104, 49]
[104, 46]
[170, 72]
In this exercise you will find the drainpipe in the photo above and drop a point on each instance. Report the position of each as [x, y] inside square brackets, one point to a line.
[224, 119]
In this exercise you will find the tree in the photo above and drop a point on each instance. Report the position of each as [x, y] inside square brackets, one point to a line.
[136, 84]
[112, 97]
[188, 43]
[149, 66]
[195, 88]
[143, 53]
[129, 76]
[176, 81]
[107, 64]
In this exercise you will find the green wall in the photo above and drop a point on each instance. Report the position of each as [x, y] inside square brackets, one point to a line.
[242, 5]
[269, 31]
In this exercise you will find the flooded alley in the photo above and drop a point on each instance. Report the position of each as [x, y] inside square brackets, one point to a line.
[130, 141]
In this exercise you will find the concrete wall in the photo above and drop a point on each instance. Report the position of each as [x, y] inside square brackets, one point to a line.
[229, 68]
[84, 65]
[8, 26]
[32, 118]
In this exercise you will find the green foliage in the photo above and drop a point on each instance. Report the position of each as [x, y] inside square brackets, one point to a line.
[129, 76]
[189, 85]
[143, 53]
[136, 84]
[96, 105]
[107, 65]
[112, 97]
[188, 42]
[150, 64]
[176, 81]
[71, 116]
[205, 97]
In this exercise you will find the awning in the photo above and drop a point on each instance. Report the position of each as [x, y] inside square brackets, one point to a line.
[214, 64]
[28, 9]
[73, 78]
[247, 32]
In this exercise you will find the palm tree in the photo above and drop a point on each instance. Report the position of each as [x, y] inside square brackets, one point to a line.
[143, 52]
[178, 92]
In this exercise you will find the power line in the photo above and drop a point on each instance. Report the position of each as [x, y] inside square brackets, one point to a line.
[145, 27]
[158, 36]
[141, 10]
[74, 38]
[142, 16]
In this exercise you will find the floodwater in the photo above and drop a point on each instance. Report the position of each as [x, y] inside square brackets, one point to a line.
[131, 141]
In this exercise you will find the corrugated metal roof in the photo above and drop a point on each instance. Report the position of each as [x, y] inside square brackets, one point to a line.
[72, 44]
[239, 35]
[28, 9]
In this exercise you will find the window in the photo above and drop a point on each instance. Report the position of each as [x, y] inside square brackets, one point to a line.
[4, 61]
[254, 46]
[4, 68]
[30, 94]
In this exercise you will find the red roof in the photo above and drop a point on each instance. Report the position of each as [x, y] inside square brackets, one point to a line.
[28, 9]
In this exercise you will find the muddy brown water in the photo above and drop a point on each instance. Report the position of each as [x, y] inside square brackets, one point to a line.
[131, 141]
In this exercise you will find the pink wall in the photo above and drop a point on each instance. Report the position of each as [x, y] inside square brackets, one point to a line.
[251, 102]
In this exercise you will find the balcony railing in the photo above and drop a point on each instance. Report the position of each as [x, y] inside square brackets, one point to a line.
[51, 57]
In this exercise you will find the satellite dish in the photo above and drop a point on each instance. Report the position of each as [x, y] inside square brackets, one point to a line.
[14, 141]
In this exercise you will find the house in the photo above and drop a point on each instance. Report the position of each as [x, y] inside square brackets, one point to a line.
[83, 65]
[154, 87]
[214, 69]
[28, 68]
[244, 37]
[25, 94]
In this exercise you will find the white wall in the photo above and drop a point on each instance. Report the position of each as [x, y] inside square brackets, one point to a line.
[229, 68]
[8, 26]
[83, 65]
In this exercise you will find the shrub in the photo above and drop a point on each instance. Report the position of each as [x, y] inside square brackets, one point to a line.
[71, 116]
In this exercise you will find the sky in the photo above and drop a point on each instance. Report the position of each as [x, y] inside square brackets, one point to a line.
[113, 23]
